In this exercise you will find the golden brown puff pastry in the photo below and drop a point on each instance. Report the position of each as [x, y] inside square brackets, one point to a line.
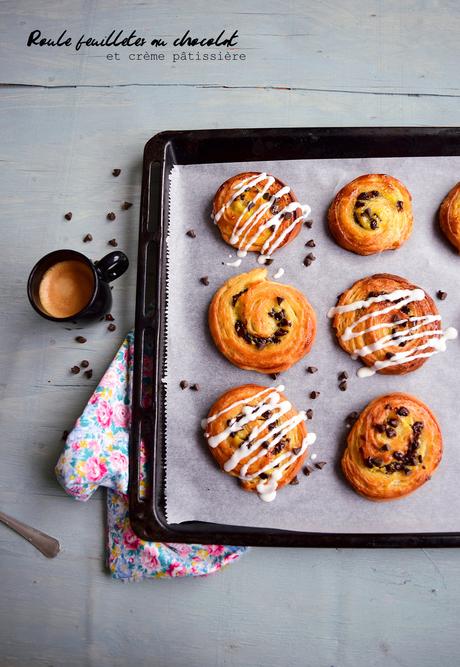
[393, 448]
[371, 214]
[392, 325]
[257, 435]
[449, 216]
[257, 212]
[261, 325]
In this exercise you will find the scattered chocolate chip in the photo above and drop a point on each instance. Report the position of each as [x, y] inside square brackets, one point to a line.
[308, 224]
[204, 280]
[279, 300]
[111, 216]
[109, 317]
[191, 233]
[343, 375]
[310, 244]
[113, 243]
[111, 327]
[195, 387]
[84, 363]
[307, 261]
[399, 205]
[268, 261]
[402, 411]
[294, 481]
[441, 295]
[306, 471]
[80, 339]
[183, 384]
[274, 375]
[87, 238]
[309, 413]
[343, 385]
[64, 435]
[68, 216]
[320, 465]
[75, 370]
[311, 256]
[314, 394]
[296, 450]
[116, 172]
[312, 369]
[88, 374]
[126, 205]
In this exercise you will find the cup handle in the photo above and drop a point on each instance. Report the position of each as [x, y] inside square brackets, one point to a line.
[112, 266]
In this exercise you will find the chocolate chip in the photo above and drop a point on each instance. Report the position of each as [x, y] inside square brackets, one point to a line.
[399, 205]
[268, 261]
[274, 208]
[343, 385]
[294, 481]
[405, 309]
[314, 394]
[390, 432]
[263, 475]
[84, 363]
[80, 339]
[395, 318]
[88, 374]
[266, 196]
[265, 444]
[385, 448]
[113, 243]
[393, 422]
[312, 369]
[374, 224]
[126, 205]
[310, 244]
[109, 317]
[402, 411]
[267, 414]
[116, 172]
[343, 375]
[260, 344]
[195, 387]
[111, 216]
[320, 465]
[183, 384]
[311, 256]
[191, 233]
[307, 261]
[389, 355]
[65, 435]
[111, 327]
[380, 428]
[377, 462]
[87, 238]
[441, 295]
[308, 224]
[274, 375]
[296, 450]
[309, 413]
[204, 280]
[279, 300]
[75, 370]
[407, 471]
[307, 471]
[68, 216]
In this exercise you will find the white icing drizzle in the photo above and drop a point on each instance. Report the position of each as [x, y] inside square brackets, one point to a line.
[237, 262]
[270, 400]
[279, 273]
[438, 337]
[247, 233]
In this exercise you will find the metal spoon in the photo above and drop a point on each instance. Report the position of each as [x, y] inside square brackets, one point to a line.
[49, 546]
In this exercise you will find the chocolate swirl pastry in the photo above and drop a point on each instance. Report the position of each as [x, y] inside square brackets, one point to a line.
[449, 216]
[256, 212]
[371, 214]
[261, 325]
[256, 434]
[389, 323]
[393, 448]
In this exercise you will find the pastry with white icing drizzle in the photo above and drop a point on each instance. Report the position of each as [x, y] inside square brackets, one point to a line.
[257, 435]
[260, 324]
[256, 212]
[394, 447]
[370, 214]
[390, 324]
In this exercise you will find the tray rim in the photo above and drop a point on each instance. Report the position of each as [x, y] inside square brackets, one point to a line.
[146, 516]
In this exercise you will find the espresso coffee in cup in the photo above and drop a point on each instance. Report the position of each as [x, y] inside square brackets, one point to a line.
[67, 285]
[66, 288]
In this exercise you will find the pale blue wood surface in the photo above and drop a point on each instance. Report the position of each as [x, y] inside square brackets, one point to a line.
[77, 117]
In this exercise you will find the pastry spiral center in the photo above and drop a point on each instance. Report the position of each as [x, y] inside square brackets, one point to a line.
[372, 208]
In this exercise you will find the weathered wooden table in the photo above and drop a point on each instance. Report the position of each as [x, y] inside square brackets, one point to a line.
[67, 119]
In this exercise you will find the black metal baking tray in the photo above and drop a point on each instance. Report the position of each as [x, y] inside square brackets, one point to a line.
[162, 152]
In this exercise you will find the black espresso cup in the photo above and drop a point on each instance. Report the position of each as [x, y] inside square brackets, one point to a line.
[65, 285]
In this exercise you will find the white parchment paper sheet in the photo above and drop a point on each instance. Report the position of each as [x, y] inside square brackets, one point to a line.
[196, 489]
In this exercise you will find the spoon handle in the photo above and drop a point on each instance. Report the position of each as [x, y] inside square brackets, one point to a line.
[45, 543]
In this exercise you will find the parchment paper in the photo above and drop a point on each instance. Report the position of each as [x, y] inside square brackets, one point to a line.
[196, 489]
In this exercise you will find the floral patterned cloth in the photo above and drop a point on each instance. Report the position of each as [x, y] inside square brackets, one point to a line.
[96, 454]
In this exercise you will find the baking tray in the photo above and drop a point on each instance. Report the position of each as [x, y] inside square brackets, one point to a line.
[162, 152]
